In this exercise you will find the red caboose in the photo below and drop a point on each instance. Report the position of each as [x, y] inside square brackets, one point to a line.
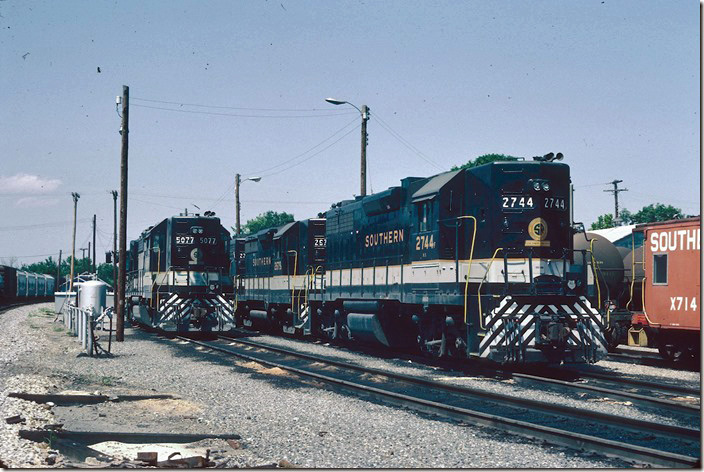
[671, 287]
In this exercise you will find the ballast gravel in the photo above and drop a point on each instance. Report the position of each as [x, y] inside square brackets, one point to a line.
[281, 419]
[601, 403]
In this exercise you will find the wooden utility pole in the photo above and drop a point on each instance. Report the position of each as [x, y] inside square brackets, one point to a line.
[615, 191]
[122, 276]
[73, 243]
[237, 205]
[95, 270]
[363, 164]
[57, 285]
[114, 246]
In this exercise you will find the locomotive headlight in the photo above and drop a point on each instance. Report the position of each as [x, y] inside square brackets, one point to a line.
[546, 186]
[536, 186]
[571, 284]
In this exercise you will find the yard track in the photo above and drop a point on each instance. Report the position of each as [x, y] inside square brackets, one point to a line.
[555, 424]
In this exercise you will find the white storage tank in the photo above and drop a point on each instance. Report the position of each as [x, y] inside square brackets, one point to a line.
[92, 295]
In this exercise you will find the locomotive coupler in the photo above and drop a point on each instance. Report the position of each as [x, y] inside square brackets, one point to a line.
[553, 330]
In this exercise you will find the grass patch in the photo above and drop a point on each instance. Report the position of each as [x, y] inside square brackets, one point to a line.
[58, 329]
[42, 312]
[108, 381]
[33, 326]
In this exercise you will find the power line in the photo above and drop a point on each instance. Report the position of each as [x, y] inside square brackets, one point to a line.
[312, 155]
[220, 107]
[42, 225]
[308, 150]
[197, 112]
[593, 185]
[27, 257]
[405, 142]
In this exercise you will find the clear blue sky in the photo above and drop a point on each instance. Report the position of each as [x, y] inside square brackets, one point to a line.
[614, 85]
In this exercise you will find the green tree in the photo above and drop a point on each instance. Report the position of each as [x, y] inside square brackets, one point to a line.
[105, 274]
[603, 222]
[656, 212]
[47, 266]
[647, 214]
[269, 219]
[485, 159]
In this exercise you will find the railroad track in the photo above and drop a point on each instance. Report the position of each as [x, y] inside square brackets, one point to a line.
[654, 361]
[4, 308]
[556, 424]
[655, 396]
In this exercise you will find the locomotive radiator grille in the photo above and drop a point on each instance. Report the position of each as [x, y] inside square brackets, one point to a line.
[512, 329]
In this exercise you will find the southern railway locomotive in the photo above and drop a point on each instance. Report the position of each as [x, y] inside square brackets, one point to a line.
[178, 275]
[472, 262]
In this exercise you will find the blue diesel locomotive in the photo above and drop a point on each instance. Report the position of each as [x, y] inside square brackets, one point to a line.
[473, 262]
[178, 275]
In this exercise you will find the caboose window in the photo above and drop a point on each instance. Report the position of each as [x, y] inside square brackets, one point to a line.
[660, 269]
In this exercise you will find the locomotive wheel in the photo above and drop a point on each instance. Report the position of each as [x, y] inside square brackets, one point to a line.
[330, 327]
[433, 348]
[613, 335]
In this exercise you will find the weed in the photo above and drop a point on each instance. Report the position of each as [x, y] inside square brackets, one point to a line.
[108, 381]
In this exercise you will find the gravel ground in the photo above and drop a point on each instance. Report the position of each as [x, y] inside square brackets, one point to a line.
[510, 387]
[278, 416]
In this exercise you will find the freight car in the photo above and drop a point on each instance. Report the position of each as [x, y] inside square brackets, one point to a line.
[18, 286]
[671, 284]
[472, 262]
[648, 301]
[178, 275]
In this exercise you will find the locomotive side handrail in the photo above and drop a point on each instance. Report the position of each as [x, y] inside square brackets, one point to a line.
[479, 297]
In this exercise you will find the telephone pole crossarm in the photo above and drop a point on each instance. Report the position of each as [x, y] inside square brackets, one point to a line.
[616, 191]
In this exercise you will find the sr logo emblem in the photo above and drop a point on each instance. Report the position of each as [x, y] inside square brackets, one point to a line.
[196, 256]
[538, 229]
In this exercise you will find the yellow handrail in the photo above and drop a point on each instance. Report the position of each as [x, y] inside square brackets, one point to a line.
[469, 267]
[236, 293]
[293, 280]
[313, 274]
[479, 297]
[633, 271]
[596, 277]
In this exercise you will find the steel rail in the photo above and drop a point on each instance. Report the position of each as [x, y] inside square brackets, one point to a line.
[628, 423]
[628, 396]
[691, 365]
[639, 383]
[553, 435]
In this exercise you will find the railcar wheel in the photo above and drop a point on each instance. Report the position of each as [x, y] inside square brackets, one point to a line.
[670, 352]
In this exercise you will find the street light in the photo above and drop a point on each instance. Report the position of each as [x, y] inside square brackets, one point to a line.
[365, 117]
[237, 199]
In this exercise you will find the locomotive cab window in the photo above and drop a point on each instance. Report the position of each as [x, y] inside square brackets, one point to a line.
[660, 269]
[424, 215]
